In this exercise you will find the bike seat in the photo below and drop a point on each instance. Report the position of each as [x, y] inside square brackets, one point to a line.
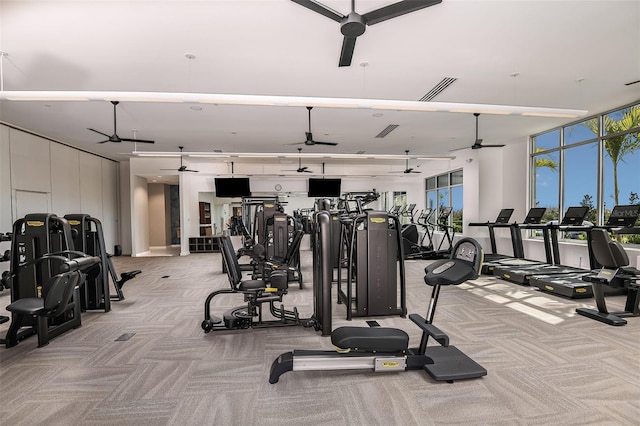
[379, 339]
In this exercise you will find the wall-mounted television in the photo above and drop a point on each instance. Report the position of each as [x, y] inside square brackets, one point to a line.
[324, 187]
[232, 187]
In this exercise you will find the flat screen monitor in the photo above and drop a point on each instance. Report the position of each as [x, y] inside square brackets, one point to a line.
[575, 215]
[624, 216]
[232, 187]
[324, 187]
[504, 216]
[535, 215]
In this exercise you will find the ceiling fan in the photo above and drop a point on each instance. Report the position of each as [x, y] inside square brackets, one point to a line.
[115, 137]
[182, 167]
[354, 24]
[478, 143]
[309, 141]
[300, 169]
[407, 169]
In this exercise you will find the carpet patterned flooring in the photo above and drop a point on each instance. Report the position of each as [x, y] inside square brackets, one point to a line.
[546, 365]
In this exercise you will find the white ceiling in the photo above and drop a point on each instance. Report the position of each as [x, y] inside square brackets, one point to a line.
[277, 47]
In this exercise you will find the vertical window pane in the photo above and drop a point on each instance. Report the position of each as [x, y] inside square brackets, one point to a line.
[581, 178]
[547, 183]
[443, 201]
[456, 203]
[622, 120]
[443, 180]
[547, 140]
[581, 131]
[431, 183]
[621, 170]
[432, 200]
[456, 177]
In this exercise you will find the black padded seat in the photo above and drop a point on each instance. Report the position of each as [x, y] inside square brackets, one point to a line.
[27, 306]
[448, 272]
[380, 339]
[251, 285]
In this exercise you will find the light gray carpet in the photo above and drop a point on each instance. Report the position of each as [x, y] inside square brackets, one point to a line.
[546, 365]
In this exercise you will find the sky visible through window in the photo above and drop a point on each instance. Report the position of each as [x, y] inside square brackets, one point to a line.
[580, 166]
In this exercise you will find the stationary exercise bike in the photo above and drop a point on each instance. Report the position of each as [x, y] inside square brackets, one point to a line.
[387, 349]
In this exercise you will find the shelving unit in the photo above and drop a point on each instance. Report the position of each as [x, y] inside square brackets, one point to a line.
[203, 245]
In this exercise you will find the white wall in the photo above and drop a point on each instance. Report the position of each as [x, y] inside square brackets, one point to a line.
[37, 173]
[139, 216]
[125, 212]
[156, 217]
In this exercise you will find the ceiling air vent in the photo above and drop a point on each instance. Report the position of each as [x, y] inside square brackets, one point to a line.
[437, 89]
[390, 128]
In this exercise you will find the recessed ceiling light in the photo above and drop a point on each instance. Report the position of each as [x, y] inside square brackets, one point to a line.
[377, 114]
[189, 56]
[196, 108]
[364, 64]
[514, 74]
[233, 132]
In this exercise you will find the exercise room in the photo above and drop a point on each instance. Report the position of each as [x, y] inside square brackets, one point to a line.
[313, 212]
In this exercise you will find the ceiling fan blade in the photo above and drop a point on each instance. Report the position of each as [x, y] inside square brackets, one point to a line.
[97, 131]
[306, 171]
[458, 149]
[297, 143]
[396, 9]
[136, 140]
[413, 171]
[193, 171]
[320, 8]
[492, 146]
[325, 143]
[402, 171]
[105, 141]
[348, 44]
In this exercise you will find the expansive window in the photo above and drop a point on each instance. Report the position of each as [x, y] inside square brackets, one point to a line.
[445, 190]
[593, 163]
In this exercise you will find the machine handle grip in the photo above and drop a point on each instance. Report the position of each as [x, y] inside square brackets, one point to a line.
[79, 263]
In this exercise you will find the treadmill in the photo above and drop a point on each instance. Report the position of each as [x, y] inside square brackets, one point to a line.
[577, 285]
[531, 221]
[502, 221]
[523, 274]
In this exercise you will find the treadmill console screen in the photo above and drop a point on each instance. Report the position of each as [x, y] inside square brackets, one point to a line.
[535, 215]
[504, 216]
[625, 216]
[574, 215]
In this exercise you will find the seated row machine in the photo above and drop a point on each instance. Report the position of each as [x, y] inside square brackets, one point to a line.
[387, 349]
[256, 293]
